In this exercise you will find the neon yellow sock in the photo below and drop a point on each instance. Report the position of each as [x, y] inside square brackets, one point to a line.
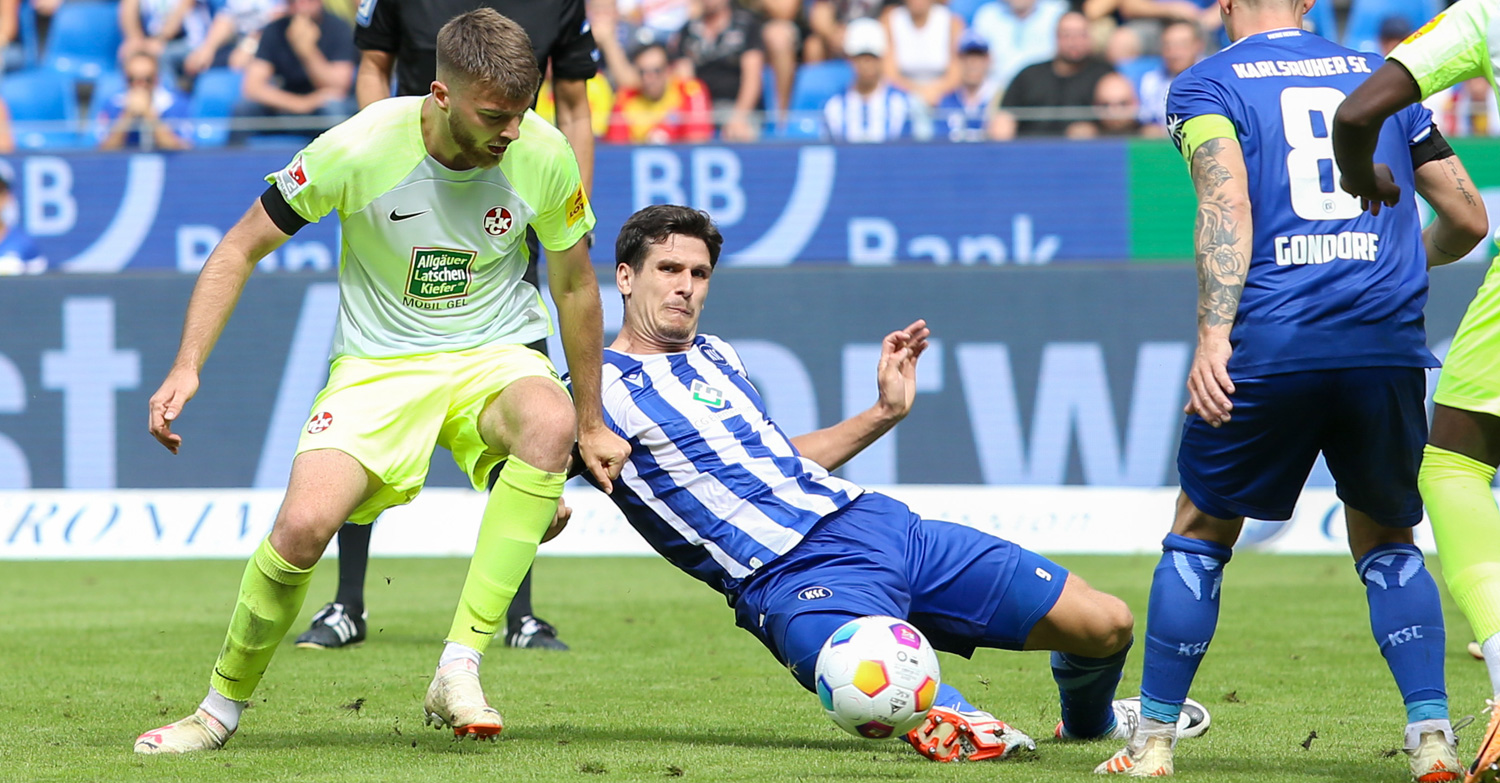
[1466, 523]
[271, 595]
[520, 509]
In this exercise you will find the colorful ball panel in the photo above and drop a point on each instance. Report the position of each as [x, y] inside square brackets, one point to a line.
[871, 678]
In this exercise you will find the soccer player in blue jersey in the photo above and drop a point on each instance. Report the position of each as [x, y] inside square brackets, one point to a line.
[1310, 339]
[720, 491]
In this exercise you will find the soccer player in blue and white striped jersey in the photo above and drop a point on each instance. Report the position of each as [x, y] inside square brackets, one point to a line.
[719, 490]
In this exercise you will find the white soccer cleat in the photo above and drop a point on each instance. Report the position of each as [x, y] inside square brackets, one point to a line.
[949, 735]
[1193, 721]
[455, 699]
[1153, 760]
[1434, 759]
[199, 731]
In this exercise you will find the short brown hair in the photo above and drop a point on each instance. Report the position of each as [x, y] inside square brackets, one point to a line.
[486, 47]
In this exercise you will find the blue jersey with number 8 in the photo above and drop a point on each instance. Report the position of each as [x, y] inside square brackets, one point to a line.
[1330, 286]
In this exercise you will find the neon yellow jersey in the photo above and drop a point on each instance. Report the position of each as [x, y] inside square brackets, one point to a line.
[1457, 45]
[431, 258]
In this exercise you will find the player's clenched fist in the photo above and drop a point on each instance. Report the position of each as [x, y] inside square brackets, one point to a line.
[604, 454]
[179, 387]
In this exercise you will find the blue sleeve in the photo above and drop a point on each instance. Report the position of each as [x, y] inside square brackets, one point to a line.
[1191, 96]
[1417, 122]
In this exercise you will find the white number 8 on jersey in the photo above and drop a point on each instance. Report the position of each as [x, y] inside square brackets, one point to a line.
[1305, 164]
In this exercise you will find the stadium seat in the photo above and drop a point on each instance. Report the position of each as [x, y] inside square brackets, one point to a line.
[84, 39]
[30, 47]
[1323, 21]
[1362, 29]
[817, 82]
[43, 108]
[966, 9]
[212, 105]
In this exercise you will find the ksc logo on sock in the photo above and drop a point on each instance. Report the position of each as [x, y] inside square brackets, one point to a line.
[815, 594]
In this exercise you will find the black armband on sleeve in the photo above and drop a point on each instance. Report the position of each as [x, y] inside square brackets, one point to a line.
[1432, 148]
[281, 212]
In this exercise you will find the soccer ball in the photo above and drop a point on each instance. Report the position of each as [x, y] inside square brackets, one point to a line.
[877, 677]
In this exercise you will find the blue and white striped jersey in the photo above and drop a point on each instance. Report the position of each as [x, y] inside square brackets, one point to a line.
[712, 483]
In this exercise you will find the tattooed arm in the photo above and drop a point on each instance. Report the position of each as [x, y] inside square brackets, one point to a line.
[1222, 238]
[1461, 221]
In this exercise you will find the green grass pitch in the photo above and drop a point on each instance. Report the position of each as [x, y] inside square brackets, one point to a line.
[660, 684]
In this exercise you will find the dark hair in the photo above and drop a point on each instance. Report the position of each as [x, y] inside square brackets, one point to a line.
[484, 46]
[652, 226]
[635, 54]
[1196, 28]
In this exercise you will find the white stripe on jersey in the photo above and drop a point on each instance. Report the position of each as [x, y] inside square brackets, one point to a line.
[708, 464]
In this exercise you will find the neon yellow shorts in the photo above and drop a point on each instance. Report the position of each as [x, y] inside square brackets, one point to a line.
[1471, 371]
[389, 413]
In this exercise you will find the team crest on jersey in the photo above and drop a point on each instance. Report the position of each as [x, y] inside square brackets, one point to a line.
[708, 395]
[292, 179]
[319, 422]
[439, 274]
[498, 221]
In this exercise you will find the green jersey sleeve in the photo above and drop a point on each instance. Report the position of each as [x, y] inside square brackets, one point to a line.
[546, 174]
[313, 183]
[350, 164]
[1452, 48]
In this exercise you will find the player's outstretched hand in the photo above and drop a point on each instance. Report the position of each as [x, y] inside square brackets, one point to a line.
[166, 404]
[604, 454]
[1383, 192]
[897, 372]
[559, 521]
[1208, 382]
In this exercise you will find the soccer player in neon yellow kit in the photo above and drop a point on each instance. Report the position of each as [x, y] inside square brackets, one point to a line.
[1463, 450]
[433, 195]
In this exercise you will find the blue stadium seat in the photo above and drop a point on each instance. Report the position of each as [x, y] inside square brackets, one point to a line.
[30, 47]
[1323, 21]
[84, 39]
[966, 9]
[1362, 29]
[817, 82]
[40, 102]
[214, 96]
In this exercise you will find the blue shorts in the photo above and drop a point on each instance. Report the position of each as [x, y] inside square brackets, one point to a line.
[1370, 423]
[962, 588]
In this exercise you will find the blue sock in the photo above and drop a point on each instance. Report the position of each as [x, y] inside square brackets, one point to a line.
[1182, 616]
[1086, 689]
[948, 696]
[1406, 615]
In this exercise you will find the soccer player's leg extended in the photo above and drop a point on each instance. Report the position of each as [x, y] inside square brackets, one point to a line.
[532, 421]
[325, 488]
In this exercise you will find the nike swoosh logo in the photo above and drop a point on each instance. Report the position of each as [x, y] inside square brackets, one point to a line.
[486, 633]
[397, 217]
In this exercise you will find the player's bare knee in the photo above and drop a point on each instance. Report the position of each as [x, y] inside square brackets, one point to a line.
[300, 535]
[1117, 624]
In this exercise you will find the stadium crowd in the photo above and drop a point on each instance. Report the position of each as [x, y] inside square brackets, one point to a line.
[188, 71]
